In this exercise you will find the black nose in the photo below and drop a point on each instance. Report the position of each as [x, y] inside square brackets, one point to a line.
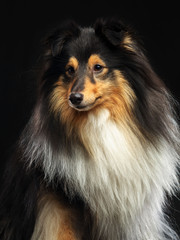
[76, 98]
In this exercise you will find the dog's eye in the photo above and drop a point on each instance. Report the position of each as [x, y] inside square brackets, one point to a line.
[70, 70]
[97, 68]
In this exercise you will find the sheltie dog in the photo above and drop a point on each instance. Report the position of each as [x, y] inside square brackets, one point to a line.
[99, 155]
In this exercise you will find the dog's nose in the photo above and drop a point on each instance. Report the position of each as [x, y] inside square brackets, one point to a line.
[76, 98]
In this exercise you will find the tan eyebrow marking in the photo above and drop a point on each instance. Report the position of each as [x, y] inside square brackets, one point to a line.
[73, 62]
[95, 59]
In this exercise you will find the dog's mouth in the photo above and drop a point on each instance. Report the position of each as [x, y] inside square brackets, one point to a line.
[84, 105]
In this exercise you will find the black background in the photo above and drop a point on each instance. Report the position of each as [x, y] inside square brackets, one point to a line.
[23, 25]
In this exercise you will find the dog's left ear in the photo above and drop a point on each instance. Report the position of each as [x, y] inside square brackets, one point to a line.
[113, 31]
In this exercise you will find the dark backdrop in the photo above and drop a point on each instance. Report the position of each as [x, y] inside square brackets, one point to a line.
[23, 25]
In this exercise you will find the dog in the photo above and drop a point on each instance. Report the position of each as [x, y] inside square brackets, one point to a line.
[100, 153]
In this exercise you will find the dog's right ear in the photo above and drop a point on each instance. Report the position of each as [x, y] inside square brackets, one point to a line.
[56, 40]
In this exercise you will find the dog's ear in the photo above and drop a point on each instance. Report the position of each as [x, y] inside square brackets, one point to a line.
[55, 41]
[111, 30]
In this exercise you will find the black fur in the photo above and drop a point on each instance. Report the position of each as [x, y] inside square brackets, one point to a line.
[18, 202]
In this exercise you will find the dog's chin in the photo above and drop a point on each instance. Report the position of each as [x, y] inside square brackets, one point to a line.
[82, 108]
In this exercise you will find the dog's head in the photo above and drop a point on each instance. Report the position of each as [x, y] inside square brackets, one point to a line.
[88, 69]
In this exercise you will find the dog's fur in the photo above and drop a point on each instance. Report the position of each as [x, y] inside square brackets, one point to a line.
[100, 152]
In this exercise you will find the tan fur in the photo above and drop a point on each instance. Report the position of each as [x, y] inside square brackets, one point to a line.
[54, 220]
[128, 43]
[118, 98]
[90, 92]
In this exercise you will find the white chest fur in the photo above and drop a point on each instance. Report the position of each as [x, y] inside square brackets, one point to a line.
[122, 178]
